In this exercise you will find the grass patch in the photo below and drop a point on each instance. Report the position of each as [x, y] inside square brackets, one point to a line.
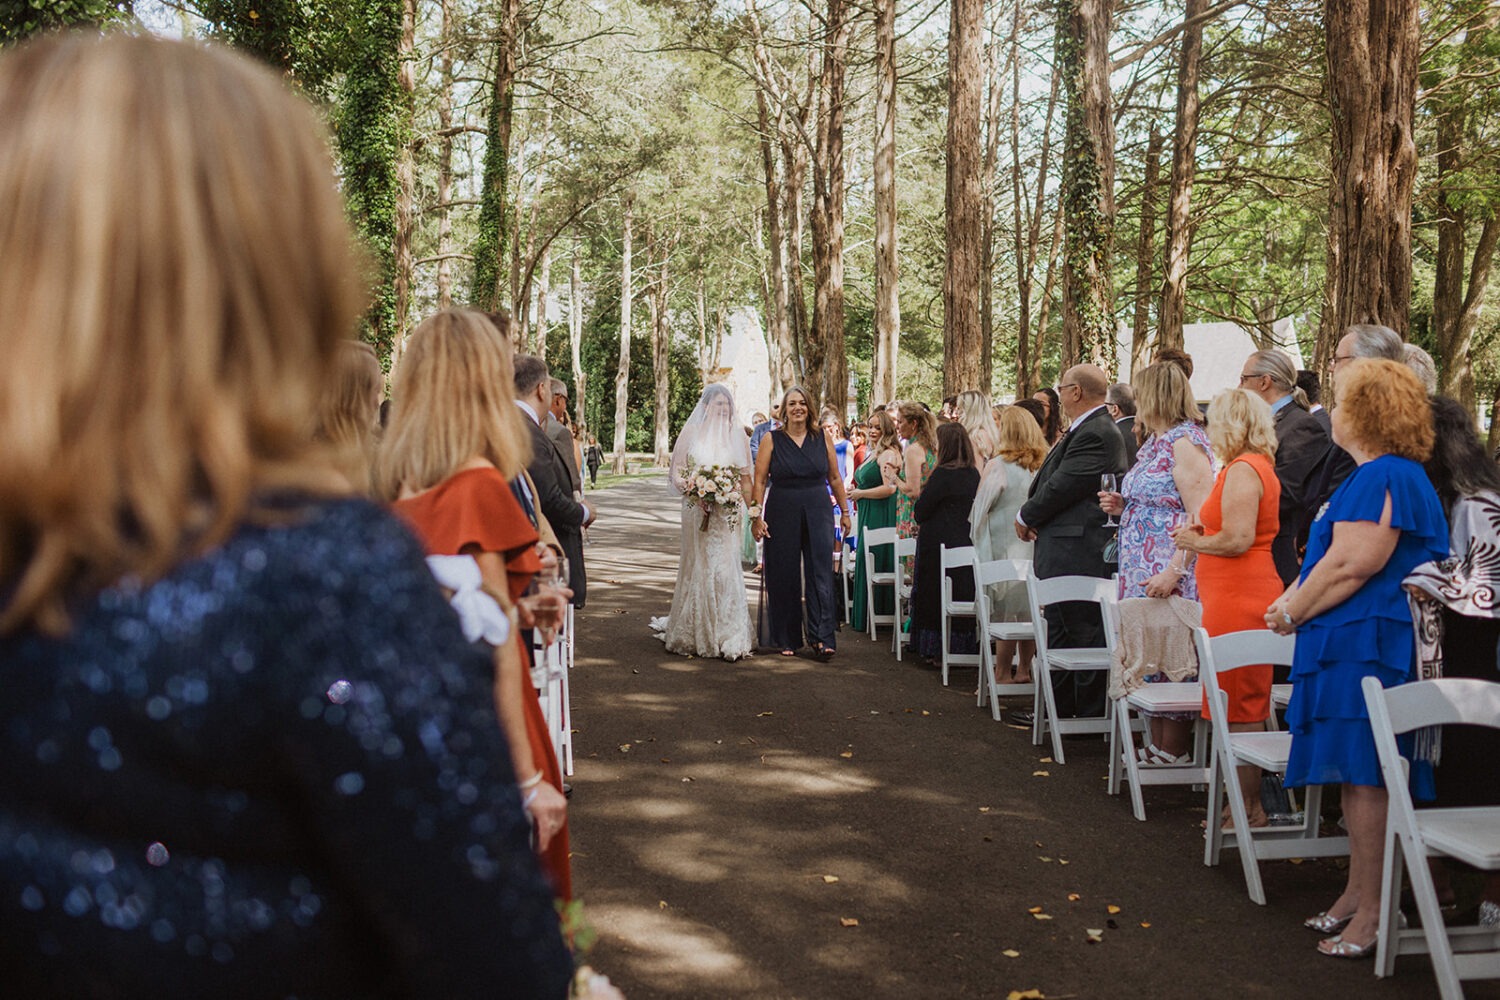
[608, 479]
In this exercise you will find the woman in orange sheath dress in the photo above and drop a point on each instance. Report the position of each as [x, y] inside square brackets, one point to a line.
[1236, 574]
[453, 447]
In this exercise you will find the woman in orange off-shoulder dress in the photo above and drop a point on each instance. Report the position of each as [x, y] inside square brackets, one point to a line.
[453, 446]
[1237, 576]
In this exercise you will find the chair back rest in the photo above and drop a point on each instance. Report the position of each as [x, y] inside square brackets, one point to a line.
[1001, 571]
[953, 558]
[879, 536]
[1041, 592]
[1231, 651]
[1448, 701]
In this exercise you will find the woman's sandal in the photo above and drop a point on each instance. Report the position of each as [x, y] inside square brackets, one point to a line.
[1337, 947]
[788, 652]
[1151, 754]
[1327, 923]
[822, 652]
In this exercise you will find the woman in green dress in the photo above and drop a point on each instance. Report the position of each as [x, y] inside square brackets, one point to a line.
[875, 494]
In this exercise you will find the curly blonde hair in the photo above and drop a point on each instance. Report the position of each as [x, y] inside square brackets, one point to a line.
[1021, 441]
[1240, 423]
[1384, 407]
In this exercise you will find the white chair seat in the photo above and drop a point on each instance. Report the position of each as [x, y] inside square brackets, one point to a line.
[1184, 696]
[1470, 835]
[959, 609]
[886, 578]
[1011, 631]
[1267, 751]
[1281, 695]
[987, 573]
[1079, 659]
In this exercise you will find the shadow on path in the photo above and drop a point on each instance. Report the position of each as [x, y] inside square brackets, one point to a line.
[731, 819]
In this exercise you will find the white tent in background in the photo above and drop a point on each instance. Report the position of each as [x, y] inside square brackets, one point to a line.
[1219, 351]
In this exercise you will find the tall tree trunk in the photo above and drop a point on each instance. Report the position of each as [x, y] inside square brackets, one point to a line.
[575, 336]
[721, 320]
[887, 262]
[406, 183]
[1145, 257]
[661, 338]
[1173, 310]
[1455, 314]
[492, 244]
[1059, 225]
[794, 156]
[543, 284]
[445, 160]
[1028, 358]
[1372, 81]
[781, 268]
[622, 375]
[1083, 29]
[994, 76]
[963, 340]
[827, 378]
[700, 305]
[768, 299]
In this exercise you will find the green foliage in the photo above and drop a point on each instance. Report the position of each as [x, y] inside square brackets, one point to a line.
[309, 40]
[21, 19]
[371, 127]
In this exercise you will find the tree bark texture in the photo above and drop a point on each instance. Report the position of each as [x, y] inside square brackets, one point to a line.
[492, 244]
[658, 301]
[1373, 49]
[963, 339]
[994, 76]
[575, 336]
[622, 374]
[1083, 30]
[887, 262]
[445, 159]
[827, 368]
[1145, 258]
[794, 157]
[1027, 356]
[406, 183]
[543, 283]
[1173, 309]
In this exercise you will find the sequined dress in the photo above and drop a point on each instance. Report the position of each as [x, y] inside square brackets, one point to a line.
[275, 772]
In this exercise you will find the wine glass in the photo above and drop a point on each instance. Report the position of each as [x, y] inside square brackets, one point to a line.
[1110, 483]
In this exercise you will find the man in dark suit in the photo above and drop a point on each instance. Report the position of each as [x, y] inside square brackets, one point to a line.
[1311, 388]
[1120, 401]
[549, 472]
[1063, 517]
[1301, 444]
[557, 429]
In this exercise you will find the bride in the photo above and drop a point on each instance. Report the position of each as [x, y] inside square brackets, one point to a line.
[710, 616]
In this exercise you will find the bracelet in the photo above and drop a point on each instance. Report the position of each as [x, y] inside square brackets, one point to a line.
[530, 798]
[755, 510]
[1286, 617]
[531, 782]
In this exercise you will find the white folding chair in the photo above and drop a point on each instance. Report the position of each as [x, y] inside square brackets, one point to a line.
[987, 574]
[906, 548]
[847, 561]
[876, 538]
[1056, 590]
[950, 559]
[1268, 751]
[1165, 697]
[1412, 835]
[565, 696]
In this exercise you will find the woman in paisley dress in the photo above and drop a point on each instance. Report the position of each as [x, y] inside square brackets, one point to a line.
[1172, 475]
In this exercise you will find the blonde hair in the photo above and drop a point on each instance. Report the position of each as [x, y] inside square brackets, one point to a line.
[975, 414]
[926, 434]
[1383, 405]
[888, 438]
[1240, 423]
[346, 420]
[452, 400]
[1021, 440]
[178, 273]
[1163, 397]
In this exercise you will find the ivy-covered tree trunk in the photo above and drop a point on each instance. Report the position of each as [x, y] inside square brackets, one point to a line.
[445, 160]
[372, 130]
[1145, 257]
[622, 374]
[887, 259]
[1173, 310]
[823, 351]
[492, 243]
[1372, 82]
[963, 338]
[406, 185]
[1083, 28]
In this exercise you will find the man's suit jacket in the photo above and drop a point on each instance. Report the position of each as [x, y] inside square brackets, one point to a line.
[1127, 434]
[1326, 419]
[558, 432]
[549, 476]
[1063, 505]
[1300, 446]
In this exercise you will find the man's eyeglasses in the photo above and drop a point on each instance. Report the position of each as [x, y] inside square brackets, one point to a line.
[1333, 362]
[1246, 378]
[1065, 385]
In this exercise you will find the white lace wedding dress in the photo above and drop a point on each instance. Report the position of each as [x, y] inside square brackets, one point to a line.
[710, 616]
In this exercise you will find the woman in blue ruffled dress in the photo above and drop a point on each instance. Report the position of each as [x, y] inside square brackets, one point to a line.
[1352, 621]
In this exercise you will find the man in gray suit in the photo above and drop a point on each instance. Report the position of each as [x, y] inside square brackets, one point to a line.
[1301, 444]
[1063, 517]
[557, 431]
[549, 473]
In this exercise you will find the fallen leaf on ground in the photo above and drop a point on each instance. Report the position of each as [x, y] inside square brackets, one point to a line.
[1073, 897]
[1063, 861]
[848, 922]
[1145, 923]
[1031, 994]
[1044, 860]
[1035, 909]
[830, 879]
[1095, 935]
[846, 753]
[1112, 908]
[624, 747]
[1011, 953]
[1046, 760]
[1041, 774]
[984, 809]
[666, 760]
[687, 779]
[1041, 916]
[873, 712]
[925, 712]
[762, 715]
[661, 904]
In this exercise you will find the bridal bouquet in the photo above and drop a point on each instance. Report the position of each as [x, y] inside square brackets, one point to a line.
[710, 486]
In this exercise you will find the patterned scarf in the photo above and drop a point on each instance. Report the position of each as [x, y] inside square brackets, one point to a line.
[1467, 583]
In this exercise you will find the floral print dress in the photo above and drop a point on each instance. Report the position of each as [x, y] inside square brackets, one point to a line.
[1153, 507]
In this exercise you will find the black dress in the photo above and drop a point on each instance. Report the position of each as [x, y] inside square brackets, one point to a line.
[801, 531]
[276, 772]
[942, 511]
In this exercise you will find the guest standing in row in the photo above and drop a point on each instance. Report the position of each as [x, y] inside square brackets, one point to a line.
[976, 416]
[798, 466]
[1236, 569]
[1052, 413]
[942, 512]
[875, 496]
[1352, 621]
[919, 430]
[549, 472]
[1121, 404]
